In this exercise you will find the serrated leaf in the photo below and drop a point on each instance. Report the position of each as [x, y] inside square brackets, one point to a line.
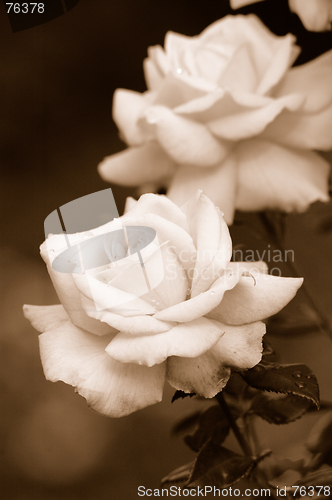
[287, 379]
[182, 395]
[218, 466]
[212, 424]
[279, 408]
[179, 475]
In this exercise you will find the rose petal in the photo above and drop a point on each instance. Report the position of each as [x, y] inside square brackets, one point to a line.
[308, 128]
[315, 16]
[152, 74]
[207, 374]
[130, 324]
[255, 298]
[237, 4]
[241, 348]
[189, 340]
[174, 287]
[202, 304]
[274, 177]
[253, 267]
[176, 45]
[312, 80]
[106, 296]
[204, 375]
[301, 130]
[44, 317]
[158, 56]
[218, 183]
[285, 55]
[212, 240]
[177, 237]
[186, 141]
[240, 72]
[251, 122]
[160, 206]
[137, 165]
[78, 358]
[128, 106]
[68, 294]
[244, 29]
[162, 284]
[129, 204]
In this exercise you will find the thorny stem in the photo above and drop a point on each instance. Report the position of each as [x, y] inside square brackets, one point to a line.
[239, 436]
[324, 324]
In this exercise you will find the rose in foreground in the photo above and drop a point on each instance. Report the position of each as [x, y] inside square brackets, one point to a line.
[226, 113]
[316, 15]
[203, 319]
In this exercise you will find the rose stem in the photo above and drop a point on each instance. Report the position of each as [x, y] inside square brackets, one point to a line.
[240, 438]
[324, 325]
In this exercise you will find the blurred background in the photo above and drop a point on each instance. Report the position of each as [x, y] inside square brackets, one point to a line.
[57, 81]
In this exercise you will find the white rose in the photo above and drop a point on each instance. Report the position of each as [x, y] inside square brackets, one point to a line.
[201, 321]
[226, 113]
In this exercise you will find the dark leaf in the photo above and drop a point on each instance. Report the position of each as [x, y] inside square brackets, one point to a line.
[235, 386]
[279, 408]
[179, 476]
[219, 466]
[181, 395]
[212, 424]
[186, 423]
[324, 405]
[288, 379]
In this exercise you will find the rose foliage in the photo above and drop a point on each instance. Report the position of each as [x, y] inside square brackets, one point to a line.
[226, 113]
[202, 320]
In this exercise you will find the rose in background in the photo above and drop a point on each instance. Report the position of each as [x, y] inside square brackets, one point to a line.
[203, 320]
[316, 15]
[226, 113]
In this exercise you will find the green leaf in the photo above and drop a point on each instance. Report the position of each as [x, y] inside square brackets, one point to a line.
[182, 395]
[179, 476]
[279, 408]
[212, 424]
[287, 379]
[218, 466]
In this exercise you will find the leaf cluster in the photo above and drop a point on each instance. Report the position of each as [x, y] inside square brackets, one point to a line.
[276, 393]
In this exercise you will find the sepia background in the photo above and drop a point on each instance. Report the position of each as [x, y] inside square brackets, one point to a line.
[57, 81]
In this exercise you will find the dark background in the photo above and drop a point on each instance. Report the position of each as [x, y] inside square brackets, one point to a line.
[57, 81]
